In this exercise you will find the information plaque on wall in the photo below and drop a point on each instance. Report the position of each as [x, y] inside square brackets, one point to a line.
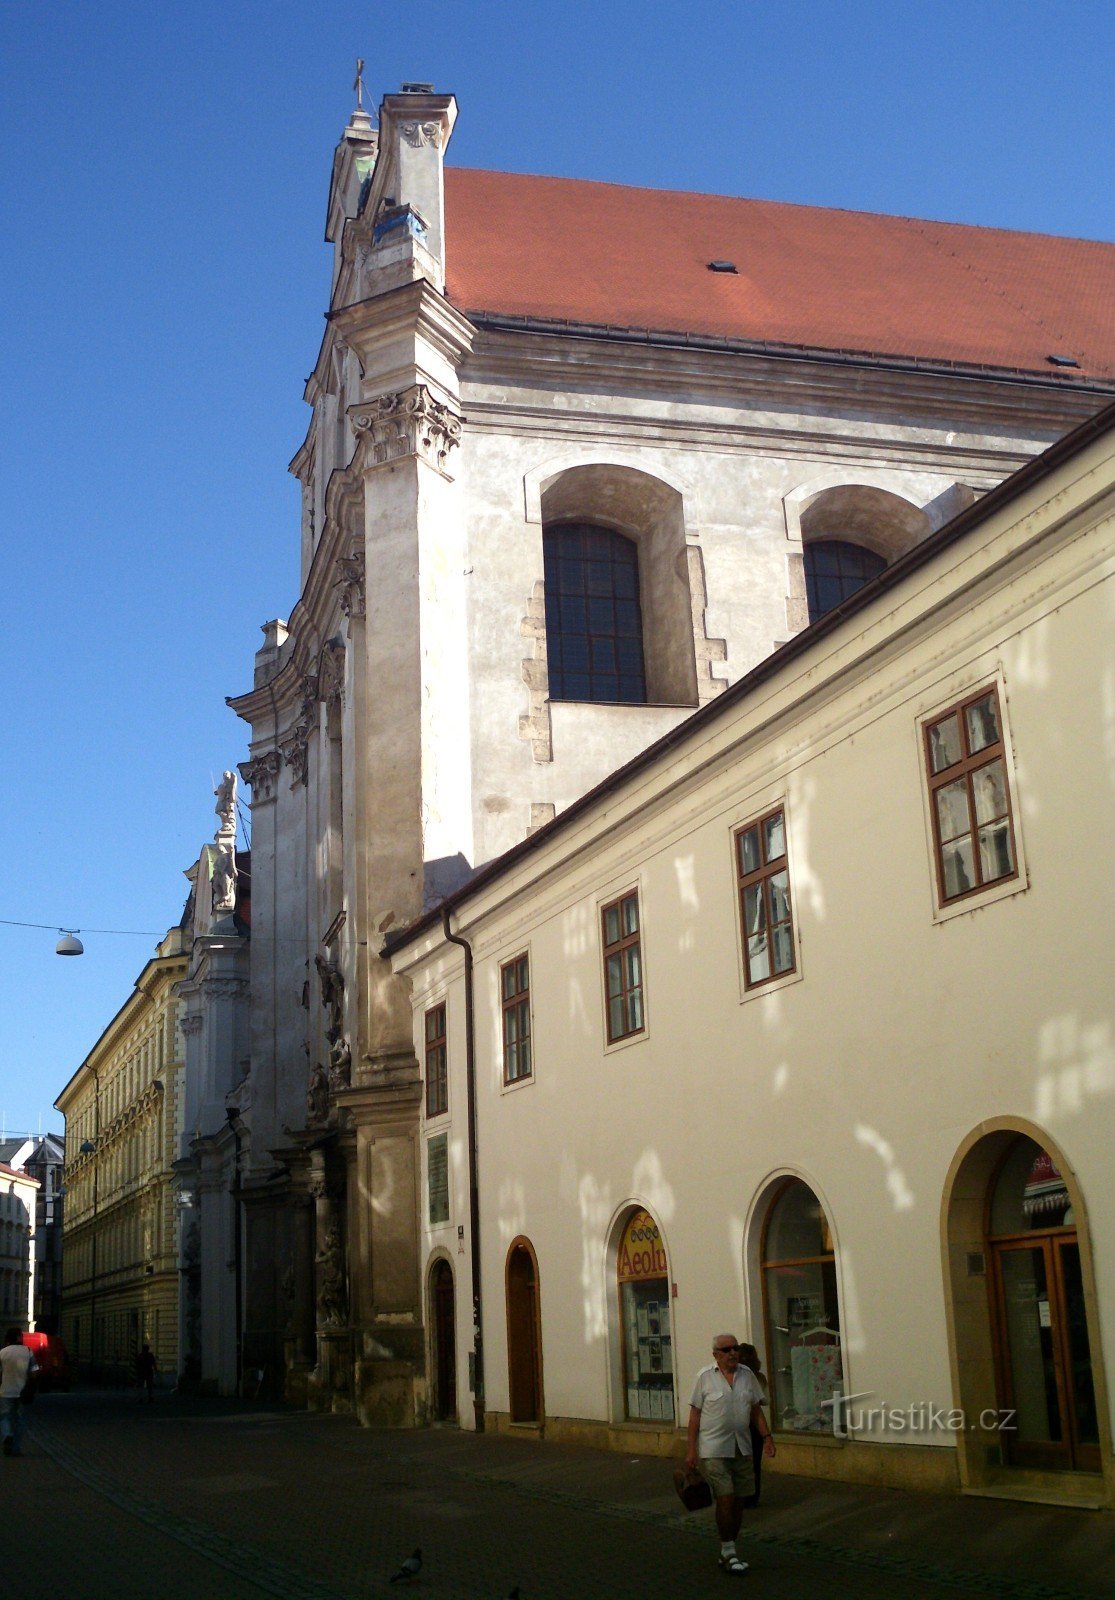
[437, 1163]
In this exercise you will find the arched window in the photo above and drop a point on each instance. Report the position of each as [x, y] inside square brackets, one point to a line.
[1042, 1355]
[594, 626]
[644, 1313]
[802, 1314]
[835, 569]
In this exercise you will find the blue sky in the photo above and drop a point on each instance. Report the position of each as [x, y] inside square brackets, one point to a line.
[163, 195]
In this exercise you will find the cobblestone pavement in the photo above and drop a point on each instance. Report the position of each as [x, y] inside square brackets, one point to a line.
[236, 1501]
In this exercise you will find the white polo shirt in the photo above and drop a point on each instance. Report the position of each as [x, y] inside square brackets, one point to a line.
[16, 1361]
[725, 1411]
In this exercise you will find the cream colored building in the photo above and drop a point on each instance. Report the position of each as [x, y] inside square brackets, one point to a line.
[800, 1025]
[580, 459]
[123, 1107]
[19, 1195]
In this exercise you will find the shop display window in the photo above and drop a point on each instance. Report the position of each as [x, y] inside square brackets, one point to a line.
[802, 1313]
[644, 1304]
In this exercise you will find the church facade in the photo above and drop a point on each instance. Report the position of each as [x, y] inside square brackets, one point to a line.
[581, 459]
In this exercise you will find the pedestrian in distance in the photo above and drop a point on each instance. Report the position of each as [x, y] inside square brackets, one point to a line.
[17, 1368]
[725, 1404]
[146, 1369]
[749, 1358]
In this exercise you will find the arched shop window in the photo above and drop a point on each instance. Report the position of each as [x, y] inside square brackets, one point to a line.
[801, 1310]
[1042, 1357]
[644, 1310]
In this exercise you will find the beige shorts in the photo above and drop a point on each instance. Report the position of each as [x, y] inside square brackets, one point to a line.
[735, 1475]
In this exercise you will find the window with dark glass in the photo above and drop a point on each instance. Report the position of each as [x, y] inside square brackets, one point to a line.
[514, 982]
[437, 1072]
[970, 797]
[623, 967]
[764, 899]
[835, 569]
[594, 627]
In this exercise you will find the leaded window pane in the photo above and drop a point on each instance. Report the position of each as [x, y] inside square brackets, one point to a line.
[592, 601]
[835, 569]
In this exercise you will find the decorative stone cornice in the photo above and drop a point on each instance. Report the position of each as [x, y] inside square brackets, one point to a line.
[409, 423]
[260, 774]
[420, 134]
[225, 988]
[350, 581]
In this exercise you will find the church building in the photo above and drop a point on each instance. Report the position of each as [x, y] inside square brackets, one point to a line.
[582, 460]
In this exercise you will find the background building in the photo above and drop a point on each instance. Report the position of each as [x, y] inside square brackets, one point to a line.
[41, 1156]
[581, 458]
[18, 1200]
[123, 1109]
[798, 1025]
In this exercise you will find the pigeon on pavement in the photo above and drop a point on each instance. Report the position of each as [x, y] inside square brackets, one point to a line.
[409, 1569]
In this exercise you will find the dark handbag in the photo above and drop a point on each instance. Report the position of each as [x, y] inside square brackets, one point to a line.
[693, 1492]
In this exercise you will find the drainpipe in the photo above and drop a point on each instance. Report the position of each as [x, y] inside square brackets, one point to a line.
[237, 1252]
[473, 1184]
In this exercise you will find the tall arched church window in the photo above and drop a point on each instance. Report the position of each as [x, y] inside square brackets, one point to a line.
[802, 1314]
[594, 626]
[835, 569]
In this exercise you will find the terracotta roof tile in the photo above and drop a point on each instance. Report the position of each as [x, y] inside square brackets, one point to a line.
[564, 249]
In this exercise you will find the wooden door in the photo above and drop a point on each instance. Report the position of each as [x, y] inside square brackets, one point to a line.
[445, 1342]
[524, 1354]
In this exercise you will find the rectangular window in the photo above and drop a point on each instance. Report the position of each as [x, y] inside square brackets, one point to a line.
[437, 1172]
[764, 899]
[437, 1073]
[973, 833]
[623, 967]
[514, 983]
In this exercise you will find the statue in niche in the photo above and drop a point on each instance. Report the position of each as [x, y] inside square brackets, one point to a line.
[340, 1064]
[332, 994]
[331, 1299]
[317, 1095]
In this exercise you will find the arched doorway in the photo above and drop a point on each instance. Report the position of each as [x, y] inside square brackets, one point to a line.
[524, 1337]
[646, 1334]
[443, 1308]
[800, 1309]
[1043, 1363]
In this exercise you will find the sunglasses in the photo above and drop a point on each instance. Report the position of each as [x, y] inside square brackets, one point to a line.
[724, 1349]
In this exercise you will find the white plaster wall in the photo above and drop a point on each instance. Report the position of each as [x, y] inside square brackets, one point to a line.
[904, 1032]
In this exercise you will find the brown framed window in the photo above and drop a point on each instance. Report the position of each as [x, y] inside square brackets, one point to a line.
[764, 899]
[623, 966]
[514, 986]
[437, 1070]
[973, 831]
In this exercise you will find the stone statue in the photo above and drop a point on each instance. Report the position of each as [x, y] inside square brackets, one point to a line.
[317, 1095]
[226, 803]
[224, 880]
[332, 994]
[332, 1304]
[340, 1064]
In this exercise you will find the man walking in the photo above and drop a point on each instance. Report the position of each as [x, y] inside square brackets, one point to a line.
[145, 1372]
[16, 1366]
[726, 1402]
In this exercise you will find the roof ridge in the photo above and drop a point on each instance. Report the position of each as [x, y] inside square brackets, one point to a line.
[788, 205]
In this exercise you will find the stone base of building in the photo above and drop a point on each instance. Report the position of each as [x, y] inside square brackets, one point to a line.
[389, 1393]
[920, 1467]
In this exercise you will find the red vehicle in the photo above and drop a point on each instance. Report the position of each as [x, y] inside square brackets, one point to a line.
[51, 1358]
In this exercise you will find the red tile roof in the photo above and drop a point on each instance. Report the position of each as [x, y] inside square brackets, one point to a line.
[563, 249]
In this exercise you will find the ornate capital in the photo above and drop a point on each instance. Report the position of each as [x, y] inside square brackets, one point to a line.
[350, 581]
[261, 774]
[191, 1024]
[410, 423]
[296, 746]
